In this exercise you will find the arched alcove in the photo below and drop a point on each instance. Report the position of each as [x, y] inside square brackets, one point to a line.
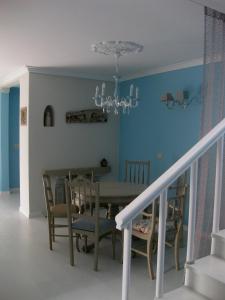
[48, 119]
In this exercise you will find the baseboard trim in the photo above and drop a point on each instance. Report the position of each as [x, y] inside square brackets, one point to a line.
[35, 214]
[14, 190]
[5, 193]
[30, 215]
[24, 212]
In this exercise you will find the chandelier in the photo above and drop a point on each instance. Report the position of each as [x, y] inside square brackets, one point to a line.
[115, 102]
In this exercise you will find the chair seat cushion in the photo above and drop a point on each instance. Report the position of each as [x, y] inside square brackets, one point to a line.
[88, 224]
[60, 210]
[144, 226]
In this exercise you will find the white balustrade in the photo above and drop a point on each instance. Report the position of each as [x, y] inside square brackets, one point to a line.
[159, 188]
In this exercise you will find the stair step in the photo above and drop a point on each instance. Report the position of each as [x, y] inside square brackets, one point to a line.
[207, 277]
[221, 234]
[219, 241]
[183, 293]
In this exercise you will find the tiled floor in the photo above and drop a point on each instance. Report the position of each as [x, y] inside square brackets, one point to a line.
[29, 271]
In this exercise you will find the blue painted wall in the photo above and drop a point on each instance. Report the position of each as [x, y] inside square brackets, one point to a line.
[4, 141]
[152, 129]
[9, 139]
[14, 104]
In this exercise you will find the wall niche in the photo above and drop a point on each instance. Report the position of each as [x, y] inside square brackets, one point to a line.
[48, 116]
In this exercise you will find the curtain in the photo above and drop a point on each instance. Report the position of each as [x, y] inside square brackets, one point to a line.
[213, 111]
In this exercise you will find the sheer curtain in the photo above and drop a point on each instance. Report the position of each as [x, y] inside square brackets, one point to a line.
[213, 111]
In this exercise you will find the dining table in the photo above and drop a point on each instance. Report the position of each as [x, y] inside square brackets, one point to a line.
[118, 193]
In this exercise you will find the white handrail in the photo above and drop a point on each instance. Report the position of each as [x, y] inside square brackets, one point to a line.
[153, 191]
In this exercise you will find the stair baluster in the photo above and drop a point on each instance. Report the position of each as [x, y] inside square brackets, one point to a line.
[218, 190]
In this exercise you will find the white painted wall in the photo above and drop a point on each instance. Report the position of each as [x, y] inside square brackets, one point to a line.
[24, 148]
[65, 146]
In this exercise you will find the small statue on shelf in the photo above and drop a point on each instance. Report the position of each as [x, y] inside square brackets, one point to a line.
[104, 163]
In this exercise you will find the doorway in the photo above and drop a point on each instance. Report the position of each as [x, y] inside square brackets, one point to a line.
[14, 172]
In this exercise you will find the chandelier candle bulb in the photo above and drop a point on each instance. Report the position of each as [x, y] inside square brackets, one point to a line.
[137, 92]
[103, 89]
[96, 91]
[131, 90]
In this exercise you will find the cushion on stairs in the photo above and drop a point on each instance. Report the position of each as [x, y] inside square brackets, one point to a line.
[144, 225]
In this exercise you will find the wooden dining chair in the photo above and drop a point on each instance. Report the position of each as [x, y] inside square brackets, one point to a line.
[175, 216]
[78, 201]
[87, 224]
[146, 227]
[91, 176]
[137, 171]
[54, 210]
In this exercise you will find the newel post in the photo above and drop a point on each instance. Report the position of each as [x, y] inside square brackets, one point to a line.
[126, 261]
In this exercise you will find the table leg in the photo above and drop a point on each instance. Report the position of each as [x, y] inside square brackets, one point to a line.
[113, 211]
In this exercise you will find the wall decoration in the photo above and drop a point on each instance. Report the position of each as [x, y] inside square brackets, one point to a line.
[181, 99]
[23, 116]
[86, 116]
[49, 116]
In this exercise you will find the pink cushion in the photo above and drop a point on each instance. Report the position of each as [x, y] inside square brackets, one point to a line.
[143, 225]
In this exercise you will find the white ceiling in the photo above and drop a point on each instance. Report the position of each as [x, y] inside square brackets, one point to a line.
[215, 4]
[57, 34]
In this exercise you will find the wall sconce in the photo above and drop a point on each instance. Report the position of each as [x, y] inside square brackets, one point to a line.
[182, 99]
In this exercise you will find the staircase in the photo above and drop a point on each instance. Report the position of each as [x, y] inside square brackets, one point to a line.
[205, 277]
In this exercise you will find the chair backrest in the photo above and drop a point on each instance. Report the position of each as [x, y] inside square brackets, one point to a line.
[137, 171]
[74, 175]
[88, 175]
[176, 203]
[182, 185]
[48, 195]
[151, 212]
[87, 195]
[83, 193]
